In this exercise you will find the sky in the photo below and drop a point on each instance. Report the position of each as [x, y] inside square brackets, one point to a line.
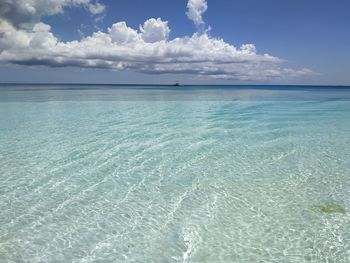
[167, 41]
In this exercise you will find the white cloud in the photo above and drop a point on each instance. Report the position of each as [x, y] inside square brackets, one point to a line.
[248, 49]
[11, 38]
[96, 8]
[154, 30]
[42, 37]
[120, 33]
[25, 13]
[195, 10]
[146, 50]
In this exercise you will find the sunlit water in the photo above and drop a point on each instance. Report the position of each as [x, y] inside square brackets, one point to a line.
[163, 174]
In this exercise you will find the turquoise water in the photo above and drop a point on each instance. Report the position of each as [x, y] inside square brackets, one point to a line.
[162, 174]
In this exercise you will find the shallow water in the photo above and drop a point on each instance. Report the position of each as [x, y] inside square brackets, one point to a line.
[163, 174]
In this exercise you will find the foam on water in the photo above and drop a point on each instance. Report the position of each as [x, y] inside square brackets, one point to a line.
[196, 174]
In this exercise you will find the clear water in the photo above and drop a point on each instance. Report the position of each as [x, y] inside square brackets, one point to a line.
[162, 174]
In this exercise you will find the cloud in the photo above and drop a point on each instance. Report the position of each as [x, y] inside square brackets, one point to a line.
[25, 13]
[120, 33]
[96, 8]
[154, 30]
[195, 10]
[147, 50]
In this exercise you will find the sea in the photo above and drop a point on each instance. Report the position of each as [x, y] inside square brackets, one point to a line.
[151, 173]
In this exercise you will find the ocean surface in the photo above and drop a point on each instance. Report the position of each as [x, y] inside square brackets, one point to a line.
[211, 174]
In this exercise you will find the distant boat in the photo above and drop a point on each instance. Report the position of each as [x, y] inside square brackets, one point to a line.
[177, 84]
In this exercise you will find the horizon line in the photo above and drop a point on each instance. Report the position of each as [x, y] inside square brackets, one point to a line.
[173, 84]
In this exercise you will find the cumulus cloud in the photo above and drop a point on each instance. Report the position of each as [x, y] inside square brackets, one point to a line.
[154, 30]
[120, 33]
[195, 10]
[147, 49]
[25, 13]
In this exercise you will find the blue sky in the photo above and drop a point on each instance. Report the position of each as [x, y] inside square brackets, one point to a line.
[310, 39]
